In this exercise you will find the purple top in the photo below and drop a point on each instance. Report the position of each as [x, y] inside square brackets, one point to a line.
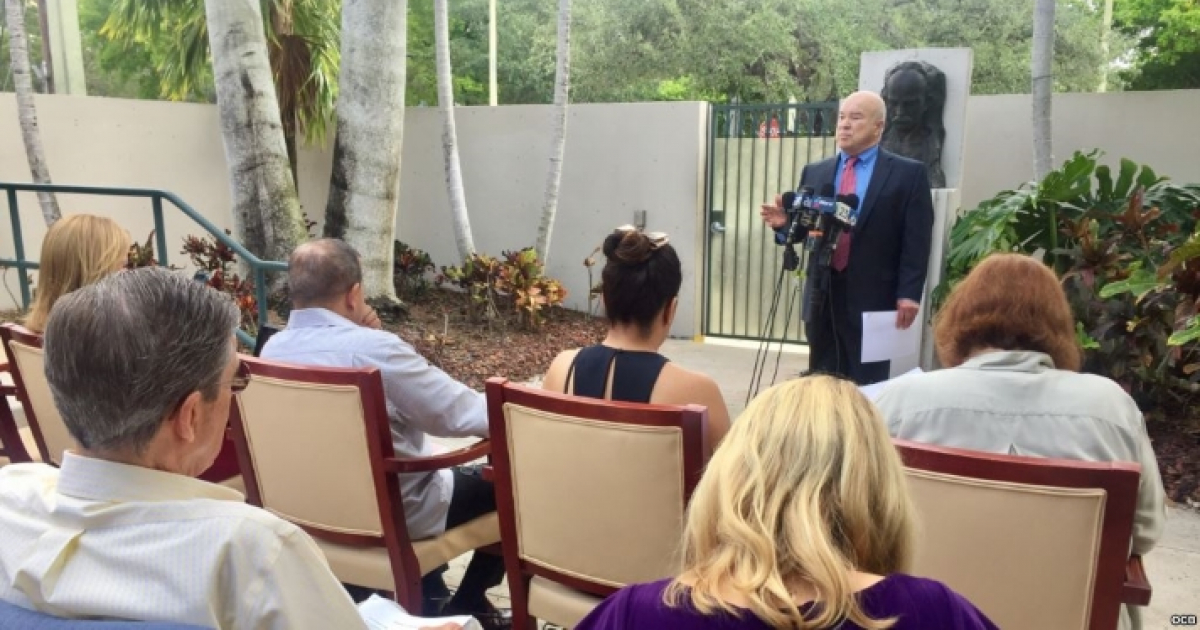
[919, 604]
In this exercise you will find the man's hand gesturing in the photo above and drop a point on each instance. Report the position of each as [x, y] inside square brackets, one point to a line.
[772, 214]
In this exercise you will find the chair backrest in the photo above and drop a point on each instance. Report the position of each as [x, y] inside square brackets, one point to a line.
[14, 616]
[592, 493]
[27, 363]
[12, 447]
[311, 443]
[1033, 542]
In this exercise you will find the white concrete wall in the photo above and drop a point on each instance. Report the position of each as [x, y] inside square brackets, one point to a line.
[1155, 128]
[619, 159]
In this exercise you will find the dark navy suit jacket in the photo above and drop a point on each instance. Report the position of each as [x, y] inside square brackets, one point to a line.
[889, 253]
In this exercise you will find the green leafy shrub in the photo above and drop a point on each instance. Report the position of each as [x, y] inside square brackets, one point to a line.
[512, 287]
[1127, 251]
[214, 261]
[410, 271]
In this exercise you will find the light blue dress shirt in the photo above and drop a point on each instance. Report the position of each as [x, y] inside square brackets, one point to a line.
[421, 399]
[863, 169]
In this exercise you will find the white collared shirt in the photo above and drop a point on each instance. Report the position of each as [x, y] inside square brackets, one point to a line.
[421, 399]
[101, 539]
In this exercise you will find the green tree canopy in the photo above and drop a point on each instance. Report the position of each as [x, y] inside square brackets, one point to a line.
[1168, 47]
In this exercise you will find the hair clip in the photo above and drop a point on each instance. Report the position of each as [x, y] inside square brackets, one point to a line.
[657, 239]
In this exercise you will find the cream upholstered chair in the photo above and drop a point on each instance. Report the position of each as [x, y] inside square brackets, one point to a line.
[50, 436]
[1036, 544]
[315, 448]
[591, 495]
[16, 443]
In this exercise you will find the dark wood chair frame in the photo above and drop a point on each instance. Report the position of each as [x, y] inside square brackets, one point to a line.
[384, 466]
[692, 420]
[1120, 578]
[11, 444]
[9, 333]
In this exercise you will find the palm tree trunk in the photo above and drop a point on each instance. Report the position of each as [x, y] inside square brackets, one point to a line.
[445, 87]
[18, 46]
[1043, 87]
[364, 187]
[558, 143]
[283, 27]
[266, 208]
[1105, 38]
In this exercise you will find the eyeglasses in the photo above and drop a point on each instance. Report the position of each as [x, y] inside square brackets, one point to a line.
[657, 239]
[241, 379]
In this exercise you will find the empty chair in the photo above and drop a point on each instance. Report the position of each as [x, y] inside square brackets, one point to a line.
[25, 359]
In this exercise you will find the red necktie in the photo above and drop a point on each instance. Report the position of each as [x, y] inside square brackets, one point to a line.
[848, 186]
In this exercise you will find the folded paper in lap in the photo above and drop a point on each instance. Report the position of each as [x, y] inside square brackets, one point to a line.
[385, 614]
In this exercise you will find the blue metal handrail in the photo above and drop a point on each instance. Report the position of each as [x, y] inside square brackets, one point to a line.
[258, 266]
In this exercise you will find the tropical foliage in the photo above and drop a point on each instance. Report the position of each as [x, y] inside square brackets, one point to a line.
[513, 287]
[412, 271]
[631, 50]
[171, 38]
[1167, 55]
[1127, 247]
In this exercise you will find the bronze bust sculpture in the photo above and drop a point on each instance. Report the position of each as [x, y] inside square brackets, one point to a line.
[915, 94]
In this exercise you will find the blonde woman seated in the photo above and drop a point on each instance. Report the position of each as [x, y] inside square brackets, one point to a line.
[1008, 337]
[801, 521]
[78, 250]
[641, 291]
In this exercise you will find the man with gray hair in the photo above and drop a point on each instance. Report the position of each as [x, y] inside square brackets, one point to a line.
[331, 325]
[142, 366]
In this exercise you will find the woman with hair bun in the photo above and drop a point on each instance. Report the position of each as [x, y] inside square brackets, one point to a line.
[641, 292]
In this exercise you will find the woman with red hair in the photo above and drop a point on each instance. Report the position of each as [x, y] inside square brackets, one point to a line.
[1008, 338]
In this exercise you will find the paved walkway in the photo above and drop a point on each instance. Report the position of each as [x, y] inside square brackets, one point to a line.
[1173, 567]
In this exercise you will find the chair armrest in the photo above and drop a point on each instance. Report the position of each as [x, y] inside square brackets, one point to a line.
[6, 390]
[445, 460]
[1136, 591]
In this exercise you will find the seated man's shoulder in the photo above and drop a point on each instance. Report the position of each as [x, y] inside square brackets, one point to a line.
[27, 480]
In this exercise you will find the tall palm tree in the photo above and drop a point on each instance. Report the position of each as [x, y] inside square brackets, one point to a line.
[558, 143]
[302, 45]
[1043, 87]
[18, 44]
[445, 83]
[266, 208]
[364, 187]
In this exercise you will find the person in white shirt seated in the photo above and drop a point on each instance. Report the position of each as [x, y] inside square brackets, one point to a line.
[1007, 335]
[331, 325]
[142, 366]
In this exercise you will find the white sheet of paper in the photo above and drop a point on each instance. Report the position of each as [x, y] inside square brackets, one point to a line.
[882, 341]
[385, 614]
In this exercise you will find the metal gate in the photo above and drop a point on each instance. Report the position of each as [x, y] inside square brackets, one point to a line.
[754, 153]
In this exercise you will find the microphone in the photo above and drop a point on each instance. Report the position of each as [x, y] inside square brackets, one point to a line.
[844, 218]
[793, 203]
[846, 211]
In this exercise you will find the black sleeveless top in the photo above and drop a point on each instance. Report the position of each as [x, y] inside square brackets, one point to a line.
[633, 373]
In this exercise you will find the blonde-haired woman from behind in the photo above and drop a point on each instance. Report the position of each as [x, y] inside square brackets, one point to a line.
[802, 521]
[77, 251]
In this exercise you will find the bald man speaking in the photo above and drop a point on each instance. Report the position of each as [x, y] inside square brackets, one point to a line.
[880, 264]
